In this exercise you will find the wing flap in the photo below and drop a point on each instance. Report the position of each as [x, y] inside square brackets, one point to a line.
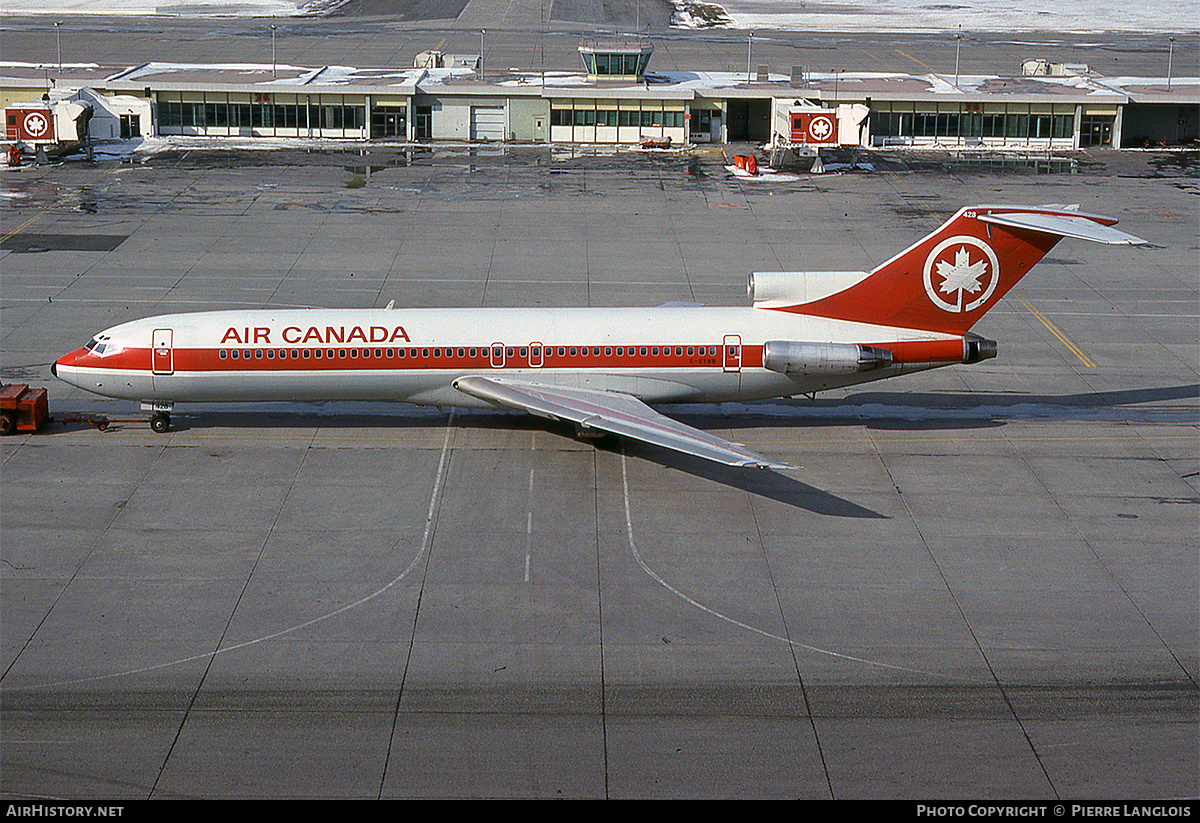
[613, 412]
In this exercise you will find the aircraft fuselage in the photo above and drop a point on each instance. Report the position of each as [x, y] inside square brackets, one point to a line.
[668, 354]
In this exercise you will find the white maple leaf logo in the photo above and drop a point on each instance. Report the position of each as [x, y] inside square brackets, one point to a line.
[962, 275]
[820, 127]
[961, 278]
[36, 125]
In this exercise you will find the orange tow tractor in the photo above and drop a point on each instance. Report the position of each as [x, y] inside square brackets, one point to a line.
[22, 409]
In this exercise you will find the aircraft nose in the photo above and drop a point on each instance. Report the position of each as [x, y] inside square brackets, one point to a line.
[66, 362]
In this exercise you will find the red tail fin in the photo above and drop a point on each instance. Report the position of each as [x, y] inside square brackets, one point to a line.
[949, 280]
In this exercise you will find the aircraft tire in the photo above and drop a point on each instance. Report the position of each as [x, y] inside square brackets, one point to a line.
[160, 422]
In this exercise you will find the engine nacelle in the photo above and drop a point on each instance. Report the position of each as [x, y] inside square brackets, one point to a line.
[781, 289]
[792, 357]
[976, 348]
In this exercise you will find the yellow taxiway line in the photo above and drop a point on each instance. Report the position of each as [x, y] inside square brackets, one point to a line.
[1087, 361]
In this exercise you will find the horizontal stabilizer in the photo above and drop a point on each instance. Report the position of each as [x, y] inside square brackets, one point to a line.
[947, 280]
[1079, 226]
[614, 412]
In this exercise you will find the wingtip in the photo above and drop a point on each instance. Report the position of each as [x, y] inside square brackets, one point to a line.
[767, 464]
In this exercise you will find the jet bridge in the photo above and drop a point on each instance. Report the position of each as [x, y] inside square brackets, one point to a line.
[802, 128]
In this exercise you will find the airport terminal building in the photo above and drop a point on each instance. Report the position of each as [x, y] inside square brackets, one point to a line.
[617, 99]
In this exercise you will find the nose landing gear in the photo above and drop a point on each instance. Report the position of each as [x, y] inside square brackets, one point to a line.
[160, 415]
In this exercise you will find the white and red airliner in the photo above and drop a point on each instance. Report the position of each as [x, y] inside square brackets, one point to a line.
[599, 367]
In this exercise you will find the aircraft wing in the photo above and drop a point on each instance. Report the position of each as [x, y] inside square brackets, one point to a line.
[614, 412]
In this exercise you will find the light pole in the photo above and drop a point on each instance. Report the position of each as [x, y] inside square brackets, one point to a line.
[1170, 58]
[58, 39]
[274, 70]
[749, 44]
[957, 48]
[482, 34]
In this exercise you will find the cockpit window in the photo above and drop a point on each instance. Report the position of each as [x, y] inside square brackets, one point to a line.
[100, 344]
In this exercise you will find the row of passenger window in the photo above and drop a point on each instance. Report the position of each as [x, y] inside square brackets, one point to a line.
[306, 354]
[494, 353]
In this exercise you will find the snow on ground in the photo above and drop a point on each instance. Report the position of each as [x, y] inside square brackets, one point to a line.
[831, 15]
[1014, 16]
[950, 15]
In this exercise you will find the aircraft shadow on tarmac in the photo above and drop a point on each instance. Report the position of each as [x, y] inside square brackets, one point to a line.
[774, 485]
[925, 411]
[932, 411]
[942, 411]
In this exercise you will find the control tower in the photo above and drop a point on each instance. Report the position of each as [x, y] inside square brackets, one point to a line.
[616, 59]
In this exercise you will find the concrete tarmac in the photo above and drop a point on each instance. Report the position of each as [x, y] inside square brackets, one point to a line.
[530, 35]
[982, 583]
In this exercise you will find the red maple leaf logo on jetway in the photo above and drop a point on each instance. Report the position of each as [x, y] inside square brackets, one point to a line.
[36, 124]
[820, 128]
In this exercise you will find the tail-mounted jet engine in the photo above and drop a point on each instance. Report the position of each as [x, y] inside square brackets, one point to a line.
[792, 357]
[976, 348]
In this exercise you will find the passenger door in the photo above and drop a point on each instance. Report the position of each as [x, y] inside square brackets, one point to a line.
[162, 353]
[731, 353]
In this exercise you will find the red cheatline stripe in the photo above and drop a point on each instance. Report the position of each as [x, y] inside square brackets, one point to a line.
[385, 358]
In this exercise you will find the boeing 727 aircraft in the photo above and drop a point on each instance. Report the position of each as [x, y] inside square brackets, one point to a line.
[599, 367]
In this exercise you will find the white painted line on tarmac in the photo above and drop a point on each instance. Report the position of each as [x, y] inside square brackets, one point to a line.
[529, 528]
[706, 609]
[421, 550]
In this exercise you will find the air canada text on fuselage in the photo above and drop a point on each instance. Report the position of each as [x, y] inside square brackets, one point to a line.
[295, 335]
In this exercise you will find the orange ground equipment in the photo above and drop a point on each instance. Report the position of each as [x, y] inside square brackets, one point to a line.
[22, 409]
